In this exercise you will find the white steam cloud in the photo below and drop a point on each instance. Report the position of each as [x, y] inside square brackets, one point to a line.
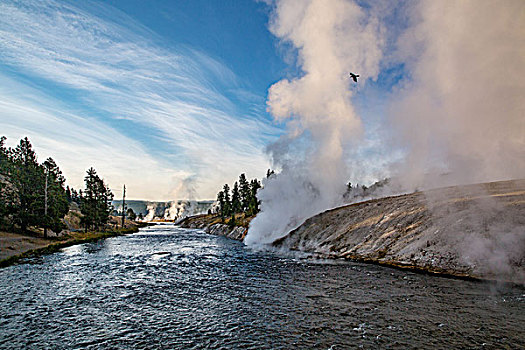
[461, 118]
[457, 113]
[463, 111]
[332, 38]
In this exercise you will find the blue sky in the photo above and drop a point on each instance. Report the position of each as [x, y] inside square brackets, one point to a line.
[168, 97]
[150, 93]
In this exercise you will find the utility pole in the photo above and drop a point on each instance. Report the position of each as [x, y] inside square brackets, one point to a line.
[124, 207]
[45, 205]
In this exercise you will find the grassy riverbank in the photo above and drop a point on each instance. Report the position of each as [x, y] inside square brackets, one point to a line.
[14, 246]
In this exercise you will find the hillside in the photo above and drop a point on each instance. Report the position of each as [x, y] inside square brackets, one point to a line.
[469, 231]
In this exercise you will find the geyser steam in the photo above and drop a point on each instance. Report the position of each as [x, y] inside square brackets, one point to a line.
[461, 116]
[332, 38]
[462, 111]
[457, 112]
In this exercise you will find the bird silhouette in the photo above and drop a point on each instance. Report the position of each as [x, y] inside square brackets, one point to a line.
[354, 76]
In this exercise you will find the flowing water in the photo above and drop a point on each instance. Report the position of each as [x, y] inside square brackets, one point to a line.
[172, 288]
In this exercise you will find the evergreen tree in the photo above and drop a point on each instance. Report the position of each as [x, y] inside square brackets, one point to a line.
[220, 200]
[75, 196]
[23, 189]
[255, 185]
[244, 189]
[95, 202]
[227, 202]
[88, 205]
[69, 195]
[232, 222]
[6, 190]
[57, 203]
[236, 199]
[130, 214]
[104, 207]
[27, 181]
[3, 150]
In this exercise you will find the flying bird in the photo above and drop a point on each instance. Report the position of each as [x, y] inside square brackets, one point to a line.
[354, 76]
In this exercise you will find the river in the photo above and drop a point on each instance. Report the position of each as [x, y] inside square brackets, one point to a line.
[172, 288]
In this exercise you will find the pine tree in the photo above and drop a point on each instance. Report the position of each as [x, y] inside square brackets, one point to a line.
[130, 214]
[69, 195]
[255, 185]
[88, 205]
[227, 202]
[23, 190]
[57, 203]
[6, 190]
[75, 196]
[95, 201]
[27, 180]
[220, 200]
[244, 189]
[236, 199]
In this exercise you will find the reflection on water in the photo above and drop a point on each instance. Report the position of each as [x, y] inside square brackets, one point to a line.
[173, 288]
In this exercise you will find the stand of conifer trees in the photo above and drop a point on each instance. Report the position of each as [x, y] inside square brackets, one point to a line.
[34, 195]
[23, 186]
[243, 198]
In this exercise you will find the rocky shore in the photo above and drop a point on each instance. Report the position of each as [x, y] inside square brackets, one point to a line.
[212, 224]
[475, 231]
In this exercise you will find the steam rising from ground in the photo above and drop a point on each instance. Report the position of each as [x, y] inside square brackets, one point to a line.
[458, 114]
[463, 112]
[462, 117]
[332, 37]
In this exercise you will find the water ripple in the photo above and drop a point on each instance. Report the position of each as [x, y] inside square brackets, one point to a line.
[171, 288]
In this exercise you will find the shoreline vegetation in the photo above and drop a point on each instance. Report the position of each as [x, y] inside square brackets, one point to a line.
[465, 232]
[469, 232]
[39, 214]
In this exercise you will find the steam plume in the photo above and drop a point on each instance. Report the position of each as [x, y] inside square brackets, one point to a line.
[458, 113]
[332, 38]
[463, 111]
[462, 118]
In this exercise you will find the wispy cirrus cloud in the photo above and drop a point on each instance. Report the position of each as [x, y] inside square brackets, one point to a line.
[115, 73]
[78, 143]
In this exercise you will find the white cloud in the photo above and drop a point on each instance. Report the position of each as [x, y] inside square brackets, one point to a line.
[77, 143]
[121, 77]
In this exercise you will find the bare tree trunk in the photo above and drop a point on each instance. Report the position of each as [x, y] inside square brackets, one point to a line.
[45, 207]
[124, 207]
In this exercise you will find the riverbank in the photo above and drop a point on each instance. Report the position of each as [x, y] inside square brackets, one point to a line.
[470, 232]
[15, 247]
[213, 224]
